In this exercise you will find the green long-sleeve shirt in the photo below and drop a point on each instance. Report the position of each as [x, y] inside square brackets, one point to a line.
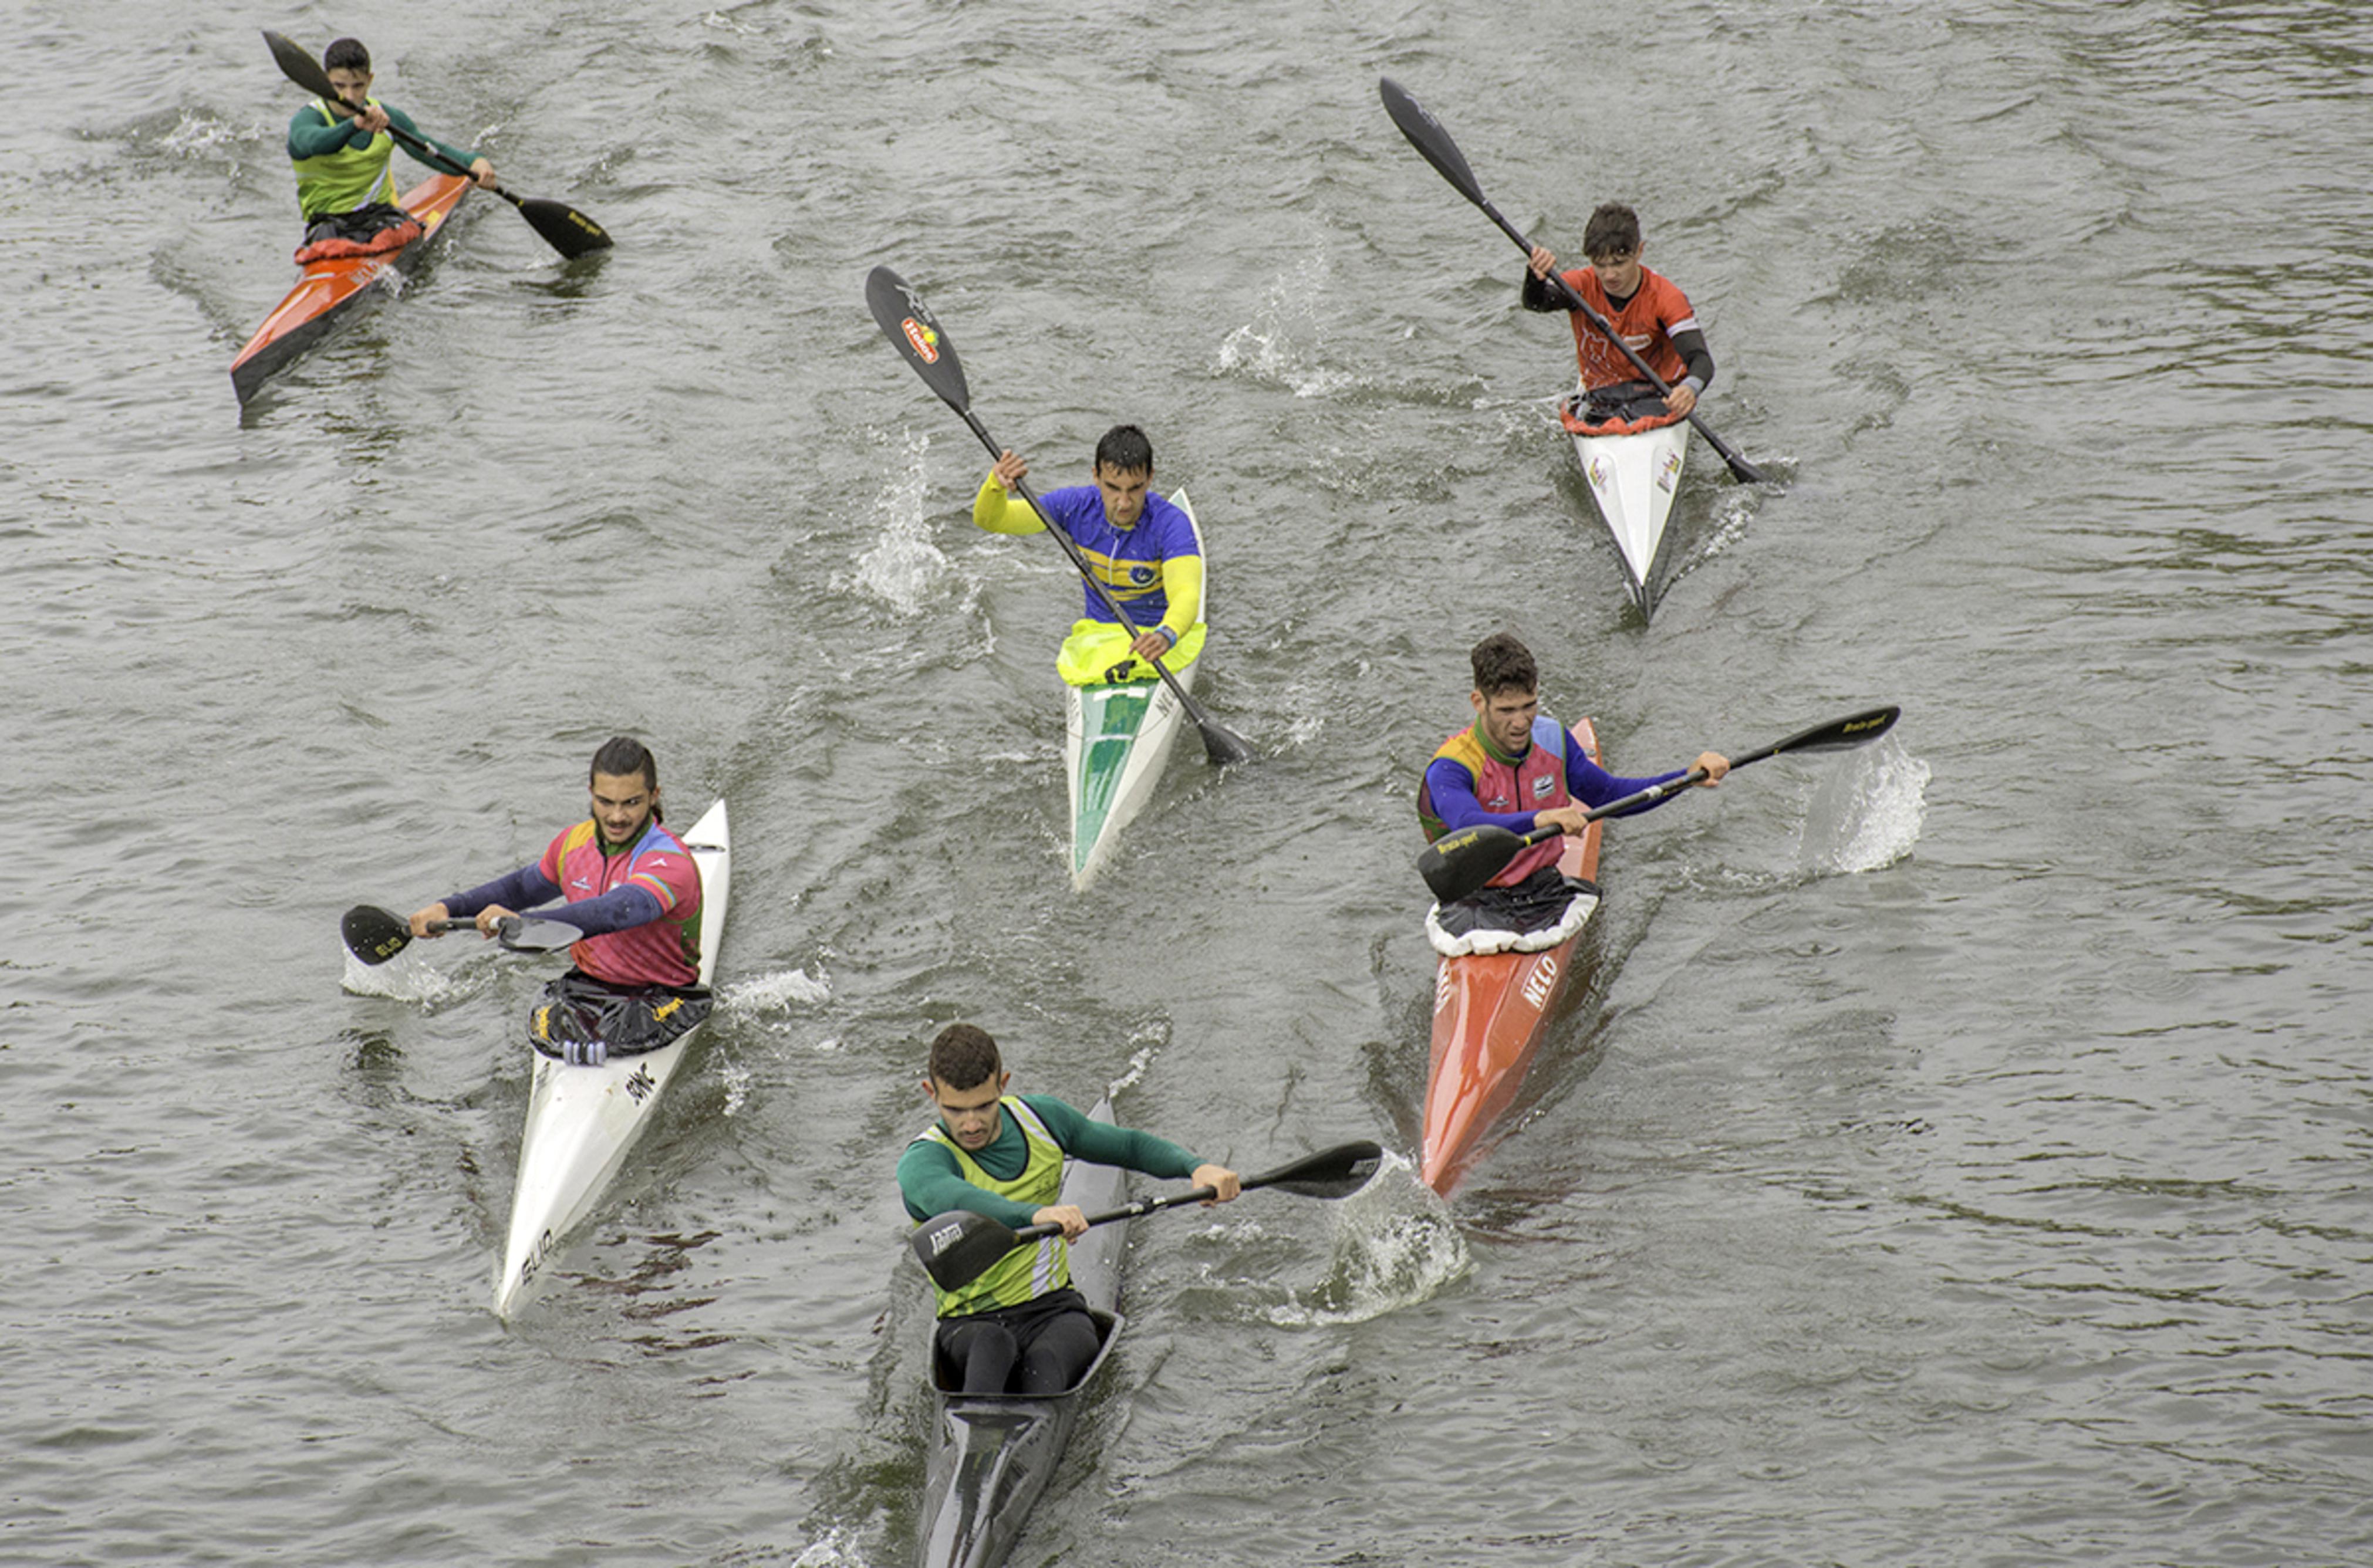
[932, 1181]
[310, 136]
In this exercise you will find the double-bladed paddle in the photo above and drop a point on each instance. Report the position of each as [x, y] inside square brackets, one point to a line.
[1433, 144]
[916, 334]
[568, 231]
[1459, 863]
[957, 1248]
[376, 935]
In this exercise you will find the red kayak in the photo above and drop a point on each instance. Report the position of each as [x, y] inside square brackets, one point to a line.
[1490, 1013]
[330, 290]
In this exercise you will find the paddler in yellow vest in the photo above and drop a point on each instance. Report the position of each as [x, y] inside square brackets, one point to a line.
[1138, 545]
[344, 182]
[1019, 1328]
[1515, 767]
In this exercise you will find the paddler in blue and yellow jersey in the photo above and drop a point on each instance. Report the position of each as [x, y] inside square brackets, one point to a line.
[344, 182]
[1138, 545]
[1515, 767]
[1019, 1328]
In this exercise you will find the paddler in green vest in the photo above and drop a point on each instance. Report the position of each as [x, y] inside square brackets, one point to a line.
[1000, 1154]
[343, 179]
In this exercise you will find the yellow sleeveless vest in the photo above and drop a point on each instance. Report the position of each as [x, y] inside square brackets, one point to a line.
[349, 177]
[1030, 1272]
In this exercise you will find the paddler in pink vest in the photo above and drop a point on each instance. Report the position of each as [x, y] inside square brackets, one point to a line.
[631, 886]
[1515, 767]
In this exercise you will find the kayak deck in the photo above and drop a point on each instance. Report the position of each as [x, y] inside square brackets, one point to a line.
[993, 1455]
[328, 291]
[581, 1121]
[1490, 1011]
[1633, 479]
[1116, 741]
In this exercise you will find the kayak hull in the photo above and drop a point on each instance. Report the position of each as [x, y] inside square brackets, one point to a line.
[1116, 740]
[1490, 1011]
[992, 1455]
[582, 1121]
[1633, 478]
[328, 292]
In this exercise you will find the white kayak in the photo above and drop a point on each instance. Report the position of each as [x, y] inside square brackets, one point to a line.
[1633, 478]
[582, 1120]
[1117, 740]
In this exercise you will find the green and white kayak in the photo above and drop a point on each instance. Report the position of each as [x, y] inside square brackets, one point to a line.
[1118, 740]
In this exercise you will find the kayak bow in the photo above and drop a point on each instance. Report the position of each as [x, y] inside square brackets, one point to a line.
[993, 1455]
[328, 292]
[582, 1120]
[1116, 740]
[1490, 1011]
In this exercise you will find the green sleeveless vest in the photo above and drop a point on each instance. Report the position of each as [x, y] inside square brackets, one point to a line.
[349, 177]
[1026, 1273]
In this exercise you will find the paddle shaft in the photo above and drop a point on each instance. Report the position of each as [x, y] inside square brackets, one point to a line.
[1143, 1206]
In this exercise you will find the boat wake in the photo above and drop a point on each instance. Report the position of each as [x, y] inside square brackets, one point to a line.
[1394, 1246]
[1867, 816]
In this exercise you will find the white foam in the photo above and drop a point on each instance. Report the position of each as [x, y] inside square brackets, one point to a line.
[777, 992]
[1394, 1246]
[905, 567]
[1272, 347]
[1868, 815]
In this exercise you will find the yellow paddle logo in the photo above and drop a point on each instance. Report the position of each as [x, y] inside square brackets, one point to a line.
[926, 341]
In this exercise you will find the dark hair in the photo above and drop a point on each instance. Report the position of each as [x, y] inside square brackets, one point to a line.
[1502, 663]
[1613, 229]
[346, 54]
[964, 1056]
[1126, 449]
[623, 755]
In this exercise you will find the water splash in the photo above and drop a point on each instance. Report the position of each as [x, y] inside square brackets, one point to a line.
[777, 992]
[1149, 1039]
[1284, 343]
[839, 1549]
[407, 976]
[903, 569]
[1394, 1246]
[1867, 813]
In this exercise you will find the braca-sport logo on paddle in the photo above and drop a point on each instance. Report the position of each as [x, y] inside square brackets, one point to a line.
[926, 341]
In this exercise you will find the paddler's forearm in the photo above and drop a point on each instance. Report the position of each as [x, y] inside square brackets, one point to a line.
[620, 909]
[1182, 585]
[997, 510]
[522, 889]
[1592, 785]
[1692, 346]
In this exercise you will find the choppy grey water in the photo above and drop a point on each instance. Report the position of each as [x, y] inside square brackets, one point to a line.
[1955, 1154]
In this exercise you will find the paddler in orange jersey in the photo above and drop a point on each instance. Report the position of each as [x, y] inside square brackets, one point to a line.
[1019, 1328]
[343, 182]
[632, 887]
[1646, 310]
[1517, 768]
[1140, 546]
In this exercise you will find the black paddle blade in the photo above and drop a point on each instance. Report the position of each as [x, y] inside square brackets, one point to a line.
[1837, 735]
[299, 66]
[957, 1248]
[1331, 1173]
[1457, 863]
[1223, 745]
[372, 934]
[564, 229]
[1425, 134]
[914, 331]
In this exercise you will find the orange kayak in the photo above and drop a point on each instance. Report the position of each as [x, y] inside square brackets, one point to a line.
[1490, 1013]
[329, 290]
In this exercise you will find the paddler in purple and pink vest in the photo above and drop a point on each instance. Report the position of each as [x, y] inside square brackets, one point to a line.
[632, 887]
[1517, 768]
